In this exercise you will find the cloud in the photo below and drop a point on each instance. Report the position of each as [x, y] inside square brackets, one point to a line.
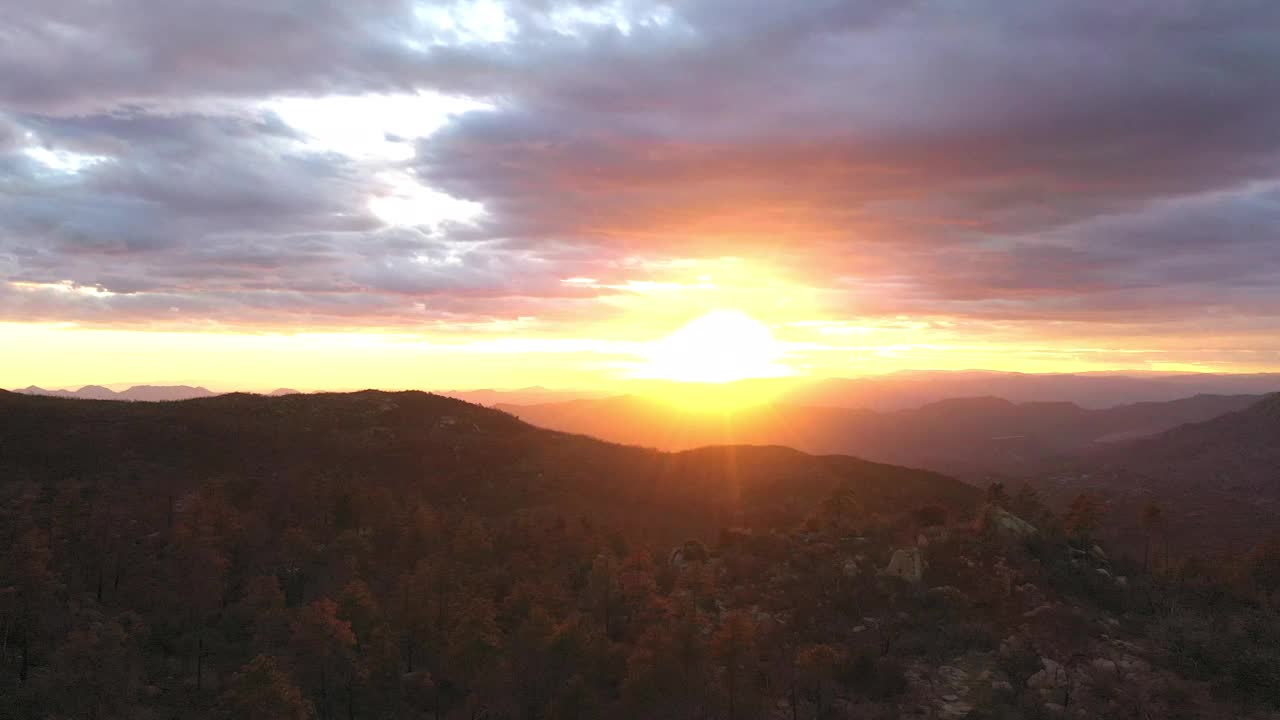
[1106, 163]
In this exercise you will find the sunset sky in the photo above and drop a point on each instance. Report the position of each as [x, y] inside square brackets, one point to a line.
[350, 193]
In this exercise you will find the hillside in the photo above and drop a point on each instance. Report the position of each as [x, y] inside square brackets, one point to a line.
[456, 452]
[1218, 481]
[968, 437]
[1239, 451]
[406, 555]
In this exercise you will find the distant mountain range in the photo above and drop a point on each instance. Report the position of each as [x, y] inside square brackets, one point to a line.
[896, 391]
[149, 393]
[912, 389]
[968, 437]
[141, 393]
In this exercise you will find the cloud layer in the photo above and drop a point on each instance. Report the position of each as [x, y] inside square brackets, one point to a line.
[1042, 171]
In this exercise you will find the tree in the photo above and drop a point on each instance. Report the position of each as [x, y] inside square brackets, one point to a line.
[322, 648]
[734, 646]
[27, 577]
[1083, 517]
[359, 609]
[666, 669]
[997, 495]
[815, 671]
[198, 564]
[604, 588]
[97, 670]
[1153, 521]
[473, 643]
[262, 612]
[1028, 506]
[262, 691]
[842, 513]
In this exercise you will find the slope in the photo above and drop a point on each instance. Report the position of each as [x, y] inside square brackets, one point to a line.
[1218, 481]
[449, 451]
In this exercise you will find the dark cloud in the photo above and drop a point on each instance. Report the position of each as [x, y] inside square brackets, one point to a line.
[69, 56]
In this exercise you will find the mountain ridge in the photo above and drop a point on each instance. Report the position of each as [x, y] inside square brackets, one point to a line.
[461, 452]
[1218, 481]
[969, 437]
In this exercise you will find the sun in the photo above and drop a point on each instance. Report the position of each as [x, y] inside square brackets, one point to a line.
[720, 347]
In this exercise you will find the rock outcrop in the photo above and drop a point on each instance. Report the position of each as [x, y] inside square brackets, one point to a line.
[906, 563]
[993, 518]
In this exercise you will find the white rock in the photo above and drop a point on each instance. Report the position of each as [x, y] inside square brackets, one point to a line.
[906, 563]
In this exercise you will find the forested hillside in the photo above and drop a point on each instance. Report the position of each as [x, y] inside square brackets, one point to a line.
[378, 555]
[1217, 482]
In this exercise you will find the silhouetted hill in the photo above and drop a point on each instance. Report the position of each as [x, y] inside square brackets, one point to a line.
[966, 437]
[456, 452]
[406, 555]
[1239, 450]
[1218, 480]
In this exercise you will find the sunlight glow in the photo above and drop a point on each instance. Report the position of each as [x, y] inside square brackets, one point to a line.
[719, 347]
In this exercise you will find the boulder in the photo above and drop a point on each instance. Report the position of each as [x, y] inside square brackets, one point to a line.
[1040, 610]
[949, 594]
[906, 563]
[1030, 593]
[996, 519]
[1053, 676]
[954, 709]
[1103, 667]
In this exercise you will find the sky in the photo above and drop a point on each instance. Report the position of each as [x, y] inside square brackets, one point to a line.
[351, 193]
